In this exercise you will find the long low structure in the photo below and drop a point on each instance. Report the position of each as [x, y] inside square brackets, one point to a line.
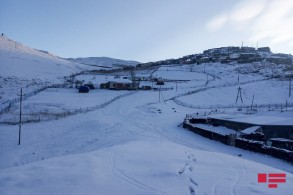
[279, 148]
[270, 131]
[273, 125]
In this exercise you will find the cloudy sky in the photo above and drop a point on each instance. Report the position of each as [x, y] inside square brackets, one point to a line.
[146, 30]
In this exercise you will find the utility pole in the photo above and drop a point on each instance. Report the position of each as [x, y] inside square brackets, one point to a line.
[252, 102]
[160, 94]
[290, 87]
[176, 86]
[19, 130]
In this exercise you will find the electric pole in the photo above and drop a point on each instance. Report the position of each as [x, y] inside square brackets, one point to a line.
[290, 87]
[19, 130]
[252, 102]
[160, 94]
[239, 94]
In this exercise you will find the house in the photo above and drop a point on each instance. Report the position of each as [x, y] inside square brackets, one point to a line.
[104, 85]
[146, 87]
[160, 81]
[120, 84]
[264, 49]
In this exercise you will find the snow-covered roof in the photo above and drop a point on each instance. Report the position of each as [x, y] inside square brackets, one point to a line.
[119, 80]
[250, 129]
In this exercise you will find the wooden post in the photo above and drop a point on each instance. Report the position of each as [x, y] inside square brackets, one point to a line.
[19, 129]
[252, 102]
[160, 94]
[290, 87]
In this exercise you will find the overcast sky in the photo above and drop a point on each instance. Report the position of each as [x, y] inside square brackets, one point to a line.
[146, 30]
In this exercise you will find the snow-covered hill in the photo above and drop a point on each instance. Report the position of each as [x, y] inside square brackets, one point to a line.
[31, 69]
[103, 61]
[20, 61]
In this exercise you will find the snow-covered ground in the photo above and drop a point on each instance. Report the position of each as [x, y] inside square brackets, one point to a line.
[129, 148]
[21, 61]
[258, 93]
[135, 144]
[52, 103]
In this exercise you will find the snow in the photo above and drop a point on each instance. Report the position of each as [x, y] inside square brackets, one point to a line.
[53, 101]
[128, 148]
[261, 118]
[262, 91]
[103, 61]
[220, 130]
[120, 80]
[135, 144]
[32, 63]
[250, 130]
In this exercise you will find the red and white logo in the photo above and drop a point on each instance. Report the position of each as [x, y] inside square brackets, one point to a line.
[272, 179]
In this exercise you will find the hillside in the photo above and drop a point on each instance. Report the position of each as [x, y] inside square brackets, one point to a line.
[18, 60]
[32, 69]
[103, 62]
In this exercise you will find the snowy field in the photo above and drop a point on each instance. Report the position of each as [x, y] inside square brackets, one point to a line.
[135, 144]
[262, 92]
[56, 101]
[129, 148]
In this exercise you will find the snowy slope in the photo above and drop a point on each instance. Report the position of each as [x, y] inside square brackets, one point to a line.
[18, 60]
[102, 61]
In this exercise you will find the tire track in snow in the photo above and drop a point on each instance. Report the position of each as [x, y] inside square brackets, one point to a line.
[238, 175]
[124, 177]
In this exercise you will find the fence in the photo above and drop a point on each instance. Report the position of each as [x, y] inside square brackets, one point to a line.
[55, 116]
[276, 106]
[216, 86]
[12, 102]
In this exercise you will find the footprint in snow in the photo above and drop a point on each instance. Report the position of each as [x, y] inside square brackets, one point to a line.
[182, 169]
[190, 168]
[193, 182]
[191, 190]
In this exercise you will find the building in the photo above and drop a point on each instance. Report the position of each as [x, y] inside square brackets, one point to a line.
[160, 81]
[264, 49]
[120, 84]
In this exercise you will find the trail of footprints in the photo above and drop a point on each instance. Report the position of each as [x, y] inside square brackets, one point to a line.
[189, 168]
